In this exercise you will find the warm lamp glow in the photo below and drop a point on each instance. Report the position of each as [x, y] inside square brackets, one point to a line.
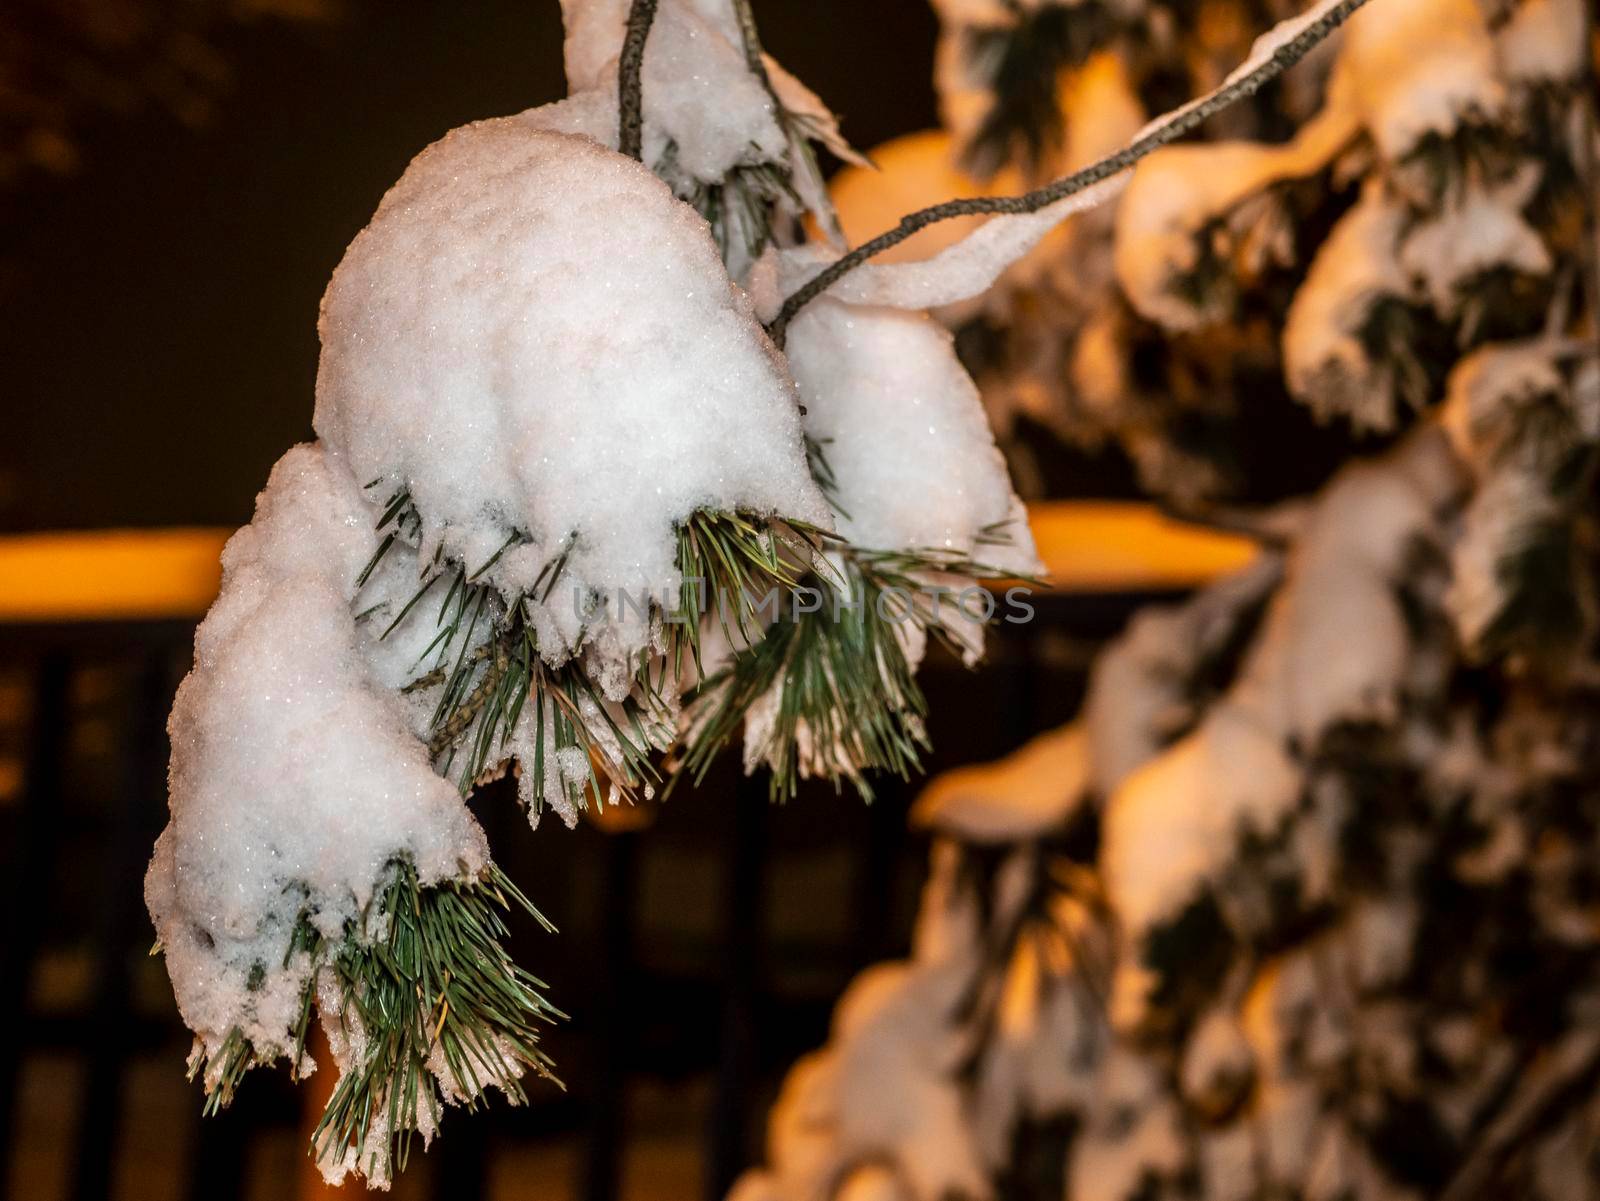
[913, 172]
[1114, 546]
[103, 575]
[107, 575]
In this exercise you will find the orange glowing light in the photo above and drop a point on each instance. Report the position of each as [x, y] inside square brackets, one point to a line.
[108, 575]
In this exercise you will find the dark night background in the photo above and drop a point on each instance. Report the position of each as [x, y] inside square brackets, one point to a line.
[158, 353]
[159, 305]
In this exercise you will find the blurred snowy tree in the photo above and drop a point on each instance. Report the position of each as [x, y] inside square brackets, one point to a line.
[1306, 903]
[1164, 336]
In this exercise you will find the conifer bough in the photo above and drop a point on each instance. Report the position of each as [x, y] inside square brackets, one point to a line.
[547, 413]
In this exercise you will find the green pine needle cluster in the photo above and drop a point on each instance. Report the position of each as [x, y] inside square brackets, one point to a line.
[745, 207]
[729, 564]
[848, 704]
[848, 700]
[438, 978]
[740, 207]
[488, 670]
[486, 665]
[424, 971]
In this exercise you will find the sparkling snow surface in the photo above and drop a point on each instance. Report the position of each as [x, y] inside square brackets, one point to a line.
[296, 776]
[537, 339]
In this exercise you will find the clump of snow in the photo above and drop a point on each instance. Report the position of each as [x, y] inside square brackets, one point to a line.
[1132, 1137]
[1142, 689]
[1028, 793]
[296, 775]
[1543, 41]
[1336, 637]
[1175, 821]
[540, 343]
[1487, 391]
[1355, 270]
[1496, 524]
[1479, 230]
[1181, 195]
[902, 427]
[969, 267]
[1419, 68]
[1487, 398]
[884, 1092]
[896, 1086]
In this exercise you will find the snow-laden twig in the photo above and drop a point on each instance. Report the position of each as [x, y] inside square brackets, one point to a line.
[630, 89]
[751, 41]
[1312, 32]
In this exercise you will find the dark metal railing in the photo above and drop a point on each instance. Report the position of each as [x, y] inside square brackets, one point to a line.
[717, 1008]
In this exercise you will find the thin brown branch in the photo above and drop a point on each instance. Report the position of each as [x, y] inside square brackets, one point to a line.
[752, 45]
[1185, 122]
[630, 84]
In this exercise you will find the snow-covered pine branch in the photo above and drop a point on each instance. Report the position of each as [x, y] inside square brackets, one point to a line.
[560, 469]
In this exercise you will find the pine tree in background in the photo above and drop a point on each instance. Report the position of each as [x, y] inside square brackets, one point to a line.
[1030, 90]
[1303, 905]
[1169, 348]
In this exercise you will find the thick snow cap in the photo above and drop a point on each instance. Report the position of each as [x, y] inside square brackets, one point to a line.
[535, 338]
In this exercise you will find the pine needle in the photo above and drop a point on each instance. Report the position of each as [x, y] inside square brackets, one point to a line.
[425, 971]
[439, 979]
[848, 704]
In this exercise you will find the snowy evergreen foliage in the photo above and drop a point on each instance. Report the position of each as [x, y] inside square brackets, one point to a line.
[579, 418]
[1034, 89]
[1370, 218]
[568, 518]
[1303, 904]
